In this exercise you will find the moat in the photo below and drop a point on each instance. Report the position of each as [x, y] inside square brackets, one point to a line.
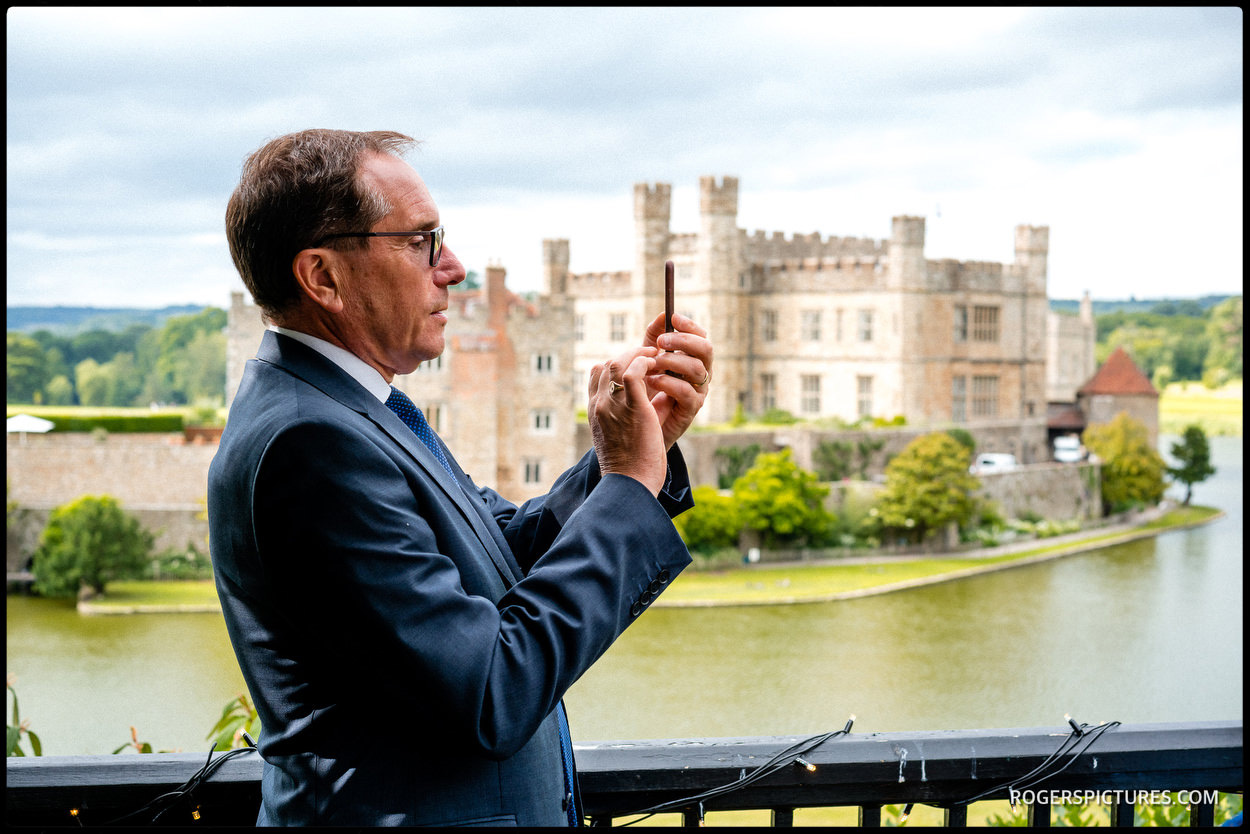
[1146, 631]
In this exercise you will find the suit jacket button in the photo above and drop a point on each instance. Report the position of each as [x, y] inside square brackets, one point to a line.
[636, 608]
[655, 586]
[663, 577]
[645, 597]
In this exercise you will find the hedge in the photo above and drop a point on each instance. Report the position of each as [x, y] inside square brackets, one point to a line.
[118, 423]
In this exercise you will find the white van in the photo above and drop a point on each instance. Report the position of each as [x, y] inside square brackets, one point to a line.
[992, 462]
[1068, 449]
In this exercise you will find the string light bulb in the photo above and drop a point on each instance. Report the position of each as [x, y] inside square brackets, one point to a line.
[906, 812]
[801, 762]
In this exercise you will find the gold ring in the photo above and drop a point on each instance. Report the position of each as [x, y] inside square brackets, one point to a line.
[614, 386]
[706, 379]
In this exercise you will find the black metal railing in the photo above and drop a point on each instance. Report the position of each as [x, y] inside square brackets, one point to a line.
[864, 770]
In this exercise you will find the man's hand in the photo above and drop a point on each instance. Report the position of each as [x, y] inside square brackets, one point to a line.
[688, 353]
[624, 423]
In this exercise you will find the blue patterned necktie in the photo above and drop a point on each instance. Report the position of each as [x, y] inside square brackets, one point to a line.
[399, 403]
[413, 418]
[566, 747]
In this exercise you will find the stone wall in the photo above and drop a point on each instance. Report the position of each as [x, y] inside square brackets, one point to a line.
[159, 478]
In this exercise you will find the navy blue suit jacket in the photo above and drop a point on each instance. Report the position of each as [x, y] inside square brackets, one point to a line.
[406, 637]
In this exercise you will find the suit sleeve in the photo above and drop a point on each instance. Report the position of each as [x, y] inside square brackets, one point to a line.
[376, 552]
[531, 528]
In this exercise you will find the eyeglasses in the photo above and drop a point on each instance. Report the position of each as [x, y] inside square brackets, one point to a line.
[435, 236]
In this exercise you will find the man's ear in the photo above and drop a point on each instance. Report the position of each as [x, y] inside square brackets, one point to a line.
[317, 271]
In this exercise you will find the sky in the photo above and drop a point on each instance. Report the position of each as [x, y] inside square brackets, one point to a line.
[1119, 128]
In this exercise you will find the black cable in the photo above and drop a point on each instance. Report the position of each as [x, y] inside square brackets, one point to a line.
[170, 798]
[1070, 744]
[791, 755]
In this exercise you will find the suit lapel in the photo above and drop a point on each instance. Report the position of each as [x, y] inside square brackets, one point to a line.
[325, 376]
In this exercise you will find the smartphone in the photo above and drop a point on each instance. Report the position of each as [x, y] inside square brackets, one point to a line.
[668, 296]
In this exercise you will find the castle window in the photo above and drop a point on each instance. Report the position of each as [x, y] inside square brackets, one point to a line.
[768, 391]
[811, 325]
[865, 325]
[863, 386]
[533, 471]
[579, 328]
[541, 422]
[616, 329]
[768, 325]
[961, 323]
[544, 363]
[985, 324]
[434, 416]
[838, 324]
[959, 398]
[811, 394]
[985, 396]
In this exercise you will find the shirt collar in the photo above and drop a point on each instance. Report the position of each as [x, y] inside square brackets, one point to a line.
[352, 365]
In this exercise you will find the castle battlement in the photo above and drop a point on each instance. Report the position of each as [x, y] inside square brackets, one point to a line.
[762, 246]
[600, 284]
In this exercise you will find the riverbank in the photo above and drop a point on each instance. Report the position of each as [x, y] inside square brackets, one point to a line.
[773, 584]
[853, 578]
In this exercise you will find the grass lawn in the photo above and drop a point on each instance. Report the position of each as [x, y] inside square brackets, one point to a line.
[768, 585]
[127, 594]
[814, 582]
[1217, 411]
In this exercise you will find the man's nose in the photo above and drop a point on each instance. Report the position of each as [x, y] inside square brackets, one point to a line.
[450, 271]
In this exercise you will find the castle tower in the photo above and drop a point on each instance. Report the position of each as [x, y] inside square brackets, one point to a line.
[718, 258]
[718, 263]
[1032, 248]
[555, 266]
[906, 254]
[652, 208]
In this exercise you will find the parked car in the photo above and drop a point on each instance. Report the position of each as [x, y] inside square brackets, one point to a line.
[1068, 449]
[992, 462]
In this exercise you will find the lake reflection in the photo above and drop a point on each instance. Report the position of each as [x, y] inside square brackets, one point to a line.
[1142, 632]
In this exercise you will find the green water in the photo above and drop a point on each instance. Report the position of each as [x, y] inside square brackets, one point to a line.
[1141, 632]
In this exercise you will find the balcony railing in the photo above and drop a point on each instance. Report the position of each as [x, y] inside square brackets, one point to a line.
[619, 779]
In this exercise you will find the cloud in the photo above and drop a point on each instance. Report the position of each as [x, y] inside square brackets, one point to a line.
[129, 123]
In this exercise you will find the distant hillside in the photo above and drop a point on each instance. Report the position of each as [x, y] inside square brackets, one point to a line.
[69, 321]
[1137, 305]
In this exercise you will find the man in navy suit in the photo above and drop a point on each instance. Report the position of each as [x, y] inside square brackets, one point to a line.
[406, 635]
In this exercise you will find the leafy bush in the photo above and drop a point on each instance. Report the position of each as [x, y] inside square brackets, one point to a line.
[927, 486]
[88, 543]
[778, 417]
[1132, 471]
[712, 523]
[19, 728]
[173, 563]
[782, 501]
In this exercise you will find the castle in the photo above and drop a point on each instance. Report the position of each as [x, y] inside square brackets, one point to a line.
[819, 327]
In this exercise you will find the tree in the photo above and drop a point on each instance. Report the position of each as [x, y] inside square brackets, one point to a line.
[832, 459]
[733, 462]
[1132, 471]
[927, 487]
[1224, 334]
[1194, 456]
[88, 543]
[26, 366]
[782, 501]
[92, 383]
[713, 522]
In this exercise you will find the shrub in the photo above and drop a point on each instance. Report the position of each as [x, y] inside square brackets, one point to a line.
[782, 501]
[88, 543]
[712, 523]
